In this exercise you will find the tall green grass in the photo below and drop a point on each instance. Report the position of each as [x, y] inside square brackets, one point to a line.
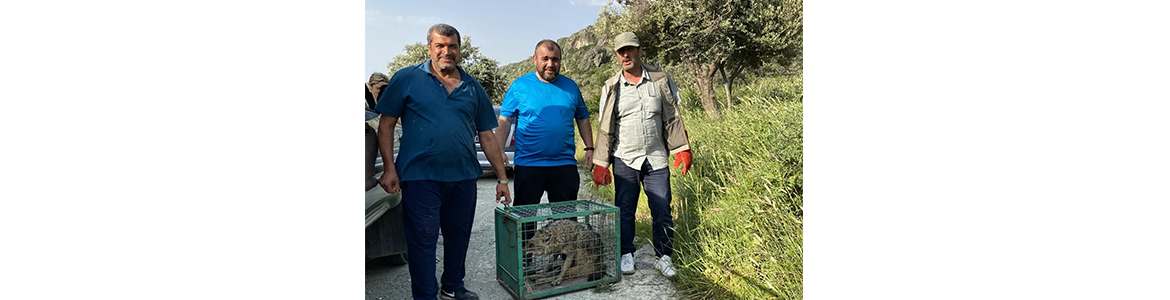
[739, 227]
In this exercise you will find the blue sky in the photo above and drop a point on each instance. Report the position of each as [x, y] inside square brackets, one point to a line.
[504, 30]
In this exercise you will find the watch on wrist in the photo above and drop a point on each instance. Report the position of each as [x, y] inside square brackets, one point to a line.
[502, 181]
[588, 148]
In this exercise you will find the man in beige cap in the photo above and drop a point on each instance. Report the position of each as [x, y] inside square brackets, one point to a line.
[640, 127]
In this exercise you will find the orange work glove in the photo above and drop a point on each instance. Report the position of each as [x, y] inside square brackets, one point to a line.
[683, 158]
[601, 176]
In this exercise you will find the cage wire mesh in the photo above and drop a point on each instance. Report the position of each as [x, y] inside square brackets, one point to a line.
[562, 246]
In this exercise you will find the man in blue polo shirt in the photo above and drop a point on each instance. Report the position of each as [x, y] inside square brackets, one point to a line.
[440, 107]
[546, 105]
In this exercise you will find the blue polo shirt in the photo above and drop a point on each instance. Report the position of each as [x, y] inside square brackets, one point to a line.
[437, 127]
[546, 113]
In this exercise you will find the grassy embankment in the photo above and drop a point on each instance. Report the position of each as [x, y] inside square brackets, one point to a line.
[738, 212]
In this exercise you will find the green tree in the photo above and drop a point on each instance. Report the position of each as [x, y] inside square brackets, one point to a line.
[711, 36]
[483, 68]
[769, 42]
[413, 54]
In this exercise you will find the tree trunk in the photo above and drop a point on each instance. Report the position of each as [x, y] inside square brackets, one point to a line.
[726, 86]
[730, 80]
[704, 75]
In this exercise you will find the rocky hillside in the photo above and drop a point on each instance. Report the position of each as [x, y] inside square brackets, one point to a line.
[585, 60]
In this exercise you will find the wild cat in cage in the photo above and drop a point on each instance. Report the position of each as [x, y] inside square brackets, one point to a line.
[577, 243]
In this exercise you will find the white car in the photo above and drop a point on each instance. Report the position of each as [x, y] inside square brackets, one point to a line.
[509, 146]
[385, 238]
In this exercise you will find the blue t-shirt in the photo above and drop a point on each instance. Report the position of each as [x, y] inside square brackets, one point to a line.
[546, 113]
[437, 127]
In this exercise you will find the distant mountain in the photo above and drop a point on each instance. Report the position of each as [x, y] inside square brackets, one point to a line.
[585, 60]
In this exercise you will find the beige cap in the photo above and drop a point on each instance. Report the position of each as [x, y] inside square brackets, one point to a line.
[625, 39]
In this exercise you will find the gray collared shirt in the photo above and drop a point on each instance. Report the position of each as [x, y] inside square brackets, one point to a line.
[639, 122]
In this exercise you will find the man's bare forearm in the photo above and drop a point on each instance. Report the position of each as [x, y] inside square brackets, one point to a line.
[586, 130]
[491, 149]
[386, 142]
[502, 131]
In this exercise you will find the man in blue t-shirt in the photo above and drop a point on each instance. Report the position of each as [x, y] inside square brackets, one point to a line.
[440, 107]
[546, 105]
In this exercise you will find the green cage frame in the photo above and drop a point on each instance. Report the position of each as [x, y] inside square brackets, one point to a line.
[509, 254]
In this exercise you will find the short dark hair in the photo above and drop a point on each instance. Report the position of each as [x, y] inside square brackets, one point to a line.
[378, 77]
[444, 30]
[548, 44]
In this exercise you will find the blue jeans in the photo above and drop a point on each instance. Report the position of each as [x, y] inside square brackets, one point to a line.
[627, 183]
[428, 206]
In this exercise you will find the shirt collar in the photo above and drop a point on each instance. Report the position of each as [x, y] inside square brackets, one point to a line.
[426, 67]
[645, 77]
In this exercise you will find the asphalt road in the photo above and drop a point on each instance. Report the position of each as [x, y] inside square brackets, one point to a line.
[393, 282]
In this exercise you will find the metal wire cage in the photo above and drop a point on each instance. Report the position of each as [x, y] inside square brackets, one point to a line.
[554, 248]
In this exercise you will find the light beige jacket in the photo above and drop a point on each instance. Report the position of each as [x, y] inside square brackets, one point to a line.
[675, 138]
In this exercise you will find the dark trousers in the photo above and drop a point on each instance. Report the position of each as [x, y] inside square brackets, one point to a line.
[560, 182]
[627, 183]
[428, 206]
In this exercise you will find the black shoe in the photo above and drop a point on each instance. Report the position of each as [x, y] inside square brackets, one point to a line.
[462, 294]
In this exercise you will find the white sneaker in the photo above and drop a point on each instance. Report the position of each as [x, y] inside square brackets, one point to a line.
[628, 264]
[665, 266]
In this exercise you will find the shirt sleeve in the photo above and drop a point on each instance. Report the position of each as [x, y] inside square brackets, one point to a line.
[486, 118]
[582, 110]
[393, 99]
[511, 103]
